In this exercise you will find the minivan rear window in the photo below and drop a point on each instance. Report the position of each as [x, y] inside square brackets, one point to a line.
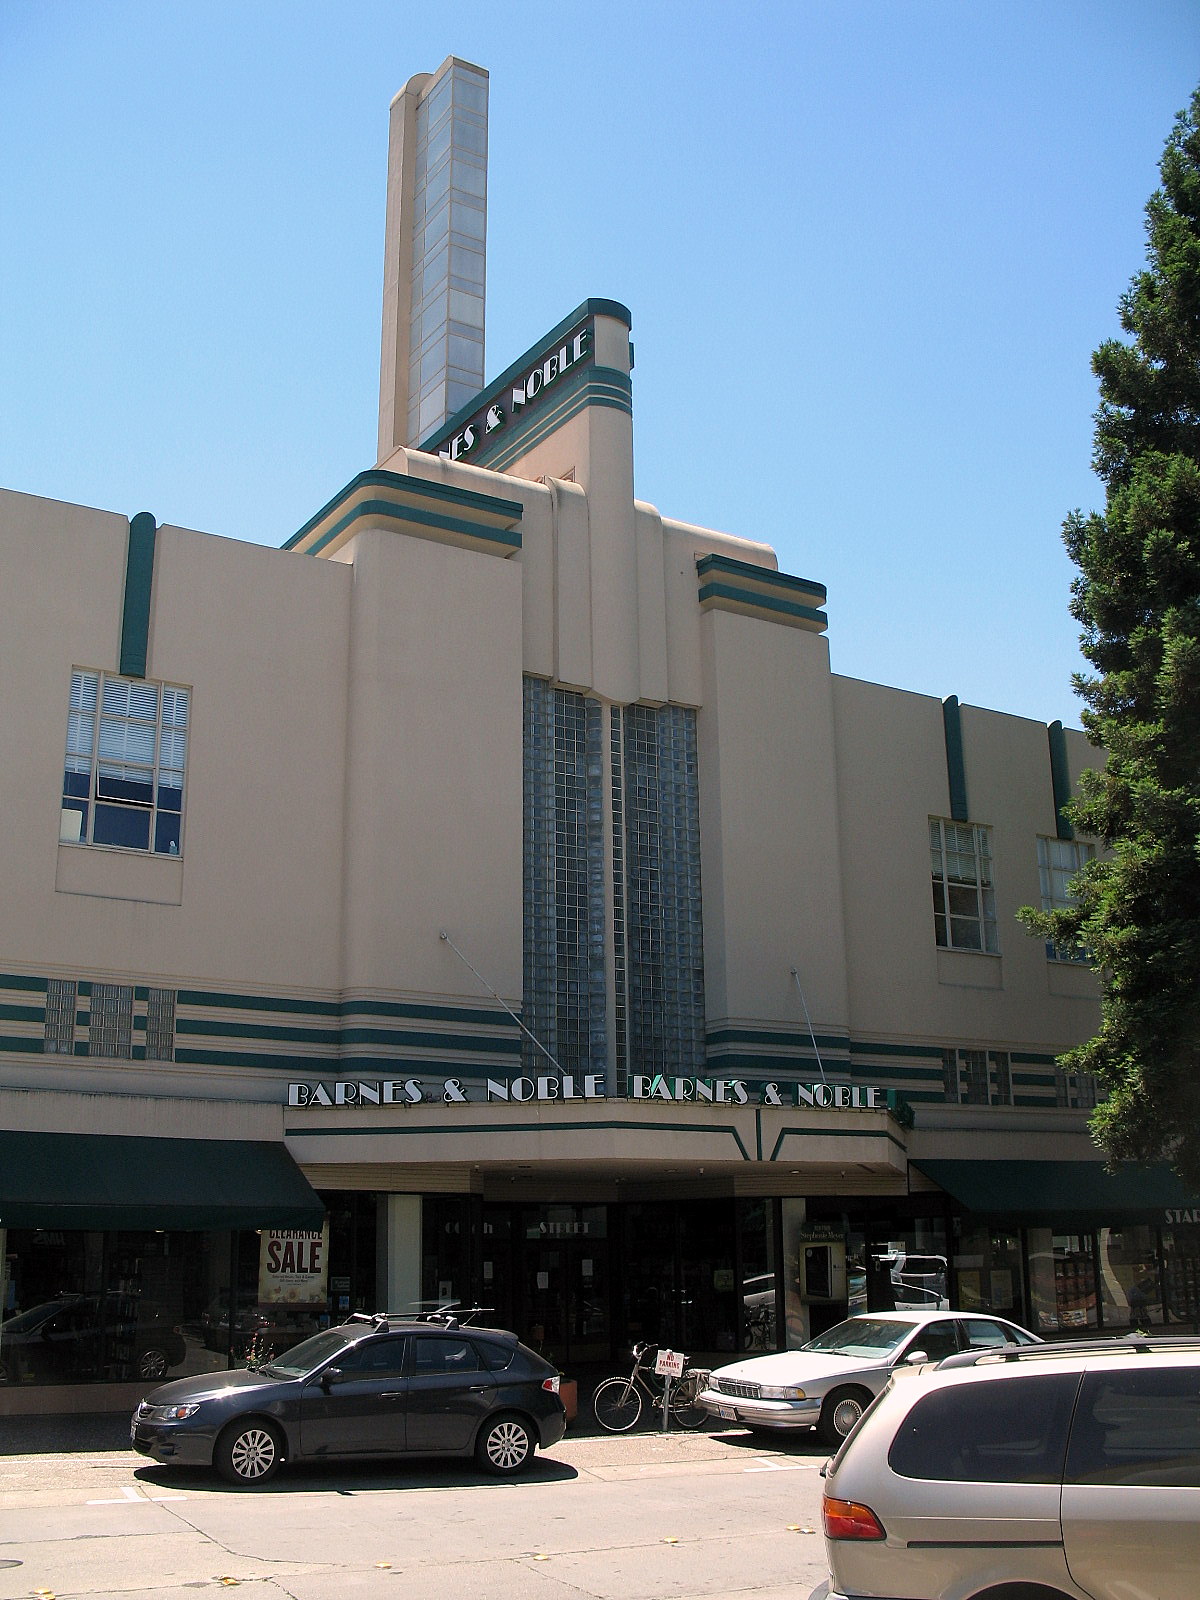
[1003, 1430]
[1138, 1428]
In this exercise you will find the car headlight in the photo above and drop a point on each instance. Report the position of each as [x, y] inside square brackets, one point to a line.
[787, 1391]
[174, 1413]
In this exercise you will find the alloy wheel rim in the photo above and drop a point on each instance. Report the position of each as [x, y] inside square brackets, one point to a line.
[507, 1445]
[253, 1453]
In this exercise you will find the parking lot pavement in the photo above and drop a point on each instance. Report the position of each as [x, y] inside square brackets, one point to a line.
[641, 1516]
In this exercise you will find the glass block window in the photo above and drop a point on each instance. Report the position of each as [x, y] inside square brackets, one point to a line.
[659, 839]
[620, 966]
[61, 997]
[1075, 1091]
[964, 900]
[977, 1077]
[110, 1027]
[448, 245]
[564, 913]
[1060, 860]
[160, 1025]
[123, 773]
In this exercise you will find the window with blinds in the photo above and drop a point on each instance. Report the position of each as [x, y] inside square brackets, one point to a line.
[123, 773]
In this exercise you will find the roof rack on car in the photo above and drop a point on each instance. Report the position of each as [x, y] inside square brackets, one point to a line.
[447, 1316]
[1125, 1344]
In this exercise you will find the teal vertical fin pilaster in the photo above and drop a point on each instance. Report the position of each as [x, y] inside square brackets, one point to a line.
[1060, 777]
[139, 582]
[956, 769]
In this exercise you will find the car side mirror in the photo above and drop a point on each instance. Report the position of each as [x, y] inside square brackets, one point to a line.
[330, 1376]
[914, 1358]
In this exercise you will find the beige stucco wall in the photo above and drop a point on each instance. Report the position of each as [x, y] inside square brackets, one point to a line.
[891, 778]
[260, 639]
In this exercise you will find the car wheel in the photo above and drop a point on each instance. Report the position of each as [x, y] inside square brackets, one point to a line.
[249, 1452]
[840, 1412]
[505, 1446]
[153, 1363]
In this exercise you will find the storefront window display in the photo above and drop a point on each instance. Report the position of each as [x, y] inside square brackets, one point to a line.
[758, 1253]
[1181, 1276]
[1130, 1292]
[987, 1271]
[1062, 1281]
[92, 1307]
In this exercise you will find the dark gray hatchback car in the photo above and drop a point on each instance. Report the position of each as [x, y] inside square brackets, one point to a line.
[374, 1387]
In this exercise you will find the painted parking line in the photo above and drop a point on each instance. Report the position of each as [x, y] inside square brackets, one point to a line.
[765, 1465]
[133, 1497]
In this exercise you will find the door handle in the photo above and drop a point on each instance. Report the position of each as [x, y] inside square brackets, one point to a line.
[477, 1388]
[391, 1394]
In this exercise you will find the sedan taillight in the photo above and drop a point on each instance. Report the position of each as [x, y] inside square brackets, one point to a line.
[551, 1384]
[846, 1519]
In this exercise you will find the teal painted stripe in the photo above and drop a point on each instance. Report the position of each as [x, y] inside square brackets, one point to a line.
[898, 1074]
[577, 391]
[464, 1043]
[767, 575]
[390, 1066]
[340, 1010]
[524, 1127]
[801, 1036]
[924, 1051]
[1060, 778]
[200, 1027]
[1029, 1059]
[139, 583]
[23, 1014]
[312, 1065]
[956, 771]
[1032, 1080]
[836, 1133]
[508, 538]
[801, 1062]
[378, 478]
[589, 308]
[10, 980]
[764, 602]
[455, 1014]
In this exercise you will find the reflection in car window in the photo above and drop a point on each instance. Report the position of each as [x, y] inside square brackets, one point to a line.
[937, 1339]
[376, 1358]
[985, 1335]
[861, 1336]
[1008, 1430]
[436, 1353]
[308, 1355]
[1138, 1428]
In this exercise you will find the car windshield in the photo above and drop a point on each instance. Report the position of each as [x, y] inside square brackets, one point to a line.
[861, 1336]
[307, 1356]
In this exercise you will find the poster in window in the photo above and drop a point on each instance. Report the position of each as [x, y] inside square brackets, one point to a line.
[1002, 1288]
[293, 1265]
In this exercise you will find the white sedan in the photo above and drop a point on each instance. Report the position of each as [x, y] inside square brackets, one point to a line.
[828, 1383]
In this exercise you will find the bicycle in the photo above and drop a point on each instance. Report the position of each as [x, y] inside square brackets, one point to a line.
[617, 1403]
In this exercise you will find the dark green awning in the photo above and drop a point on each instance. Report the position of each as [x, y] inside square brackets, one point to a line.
[1062, 1191]
[97, 1181]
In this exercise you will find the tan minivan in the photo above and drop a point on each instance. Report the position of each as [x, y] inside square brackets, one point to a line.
[1045, 1472]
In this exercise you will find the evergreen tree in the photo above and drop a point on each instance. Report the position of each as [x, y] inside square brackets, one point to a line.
[1137, 597]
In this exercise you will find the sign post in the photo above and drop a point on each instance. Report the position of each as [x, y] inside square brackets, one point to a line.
[668, 1365]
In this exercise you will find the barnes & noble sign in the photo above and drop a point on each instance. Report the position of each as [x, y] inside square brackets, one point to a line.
[709, 1091]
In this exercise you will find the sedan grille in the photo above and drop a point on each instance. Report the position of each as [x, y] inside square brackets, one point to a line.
[739, 1389]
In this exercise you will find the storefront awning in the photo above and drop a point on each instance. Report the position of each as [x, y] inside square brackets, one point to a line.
[95, 1181]
[1052, 1192]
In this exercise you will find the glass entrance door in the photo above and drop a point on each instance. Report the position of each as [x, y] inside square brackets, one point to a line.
[563, 1282]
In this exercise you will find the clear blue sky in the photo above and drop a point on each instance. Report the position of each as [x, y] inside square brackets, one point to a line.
[868, 248]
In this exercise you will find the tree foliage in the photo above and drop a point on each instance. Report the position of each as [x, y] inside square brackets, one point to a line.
[1137, 597]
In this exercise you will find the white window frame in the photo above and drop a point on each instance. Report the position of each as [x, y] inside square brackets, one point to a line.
[108, 747]
[1054, 878]
[964, 892]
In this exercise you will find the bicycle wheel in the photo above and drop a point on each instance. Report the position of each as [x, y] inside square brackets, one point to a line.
[684, 1408]
[617, 1404]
